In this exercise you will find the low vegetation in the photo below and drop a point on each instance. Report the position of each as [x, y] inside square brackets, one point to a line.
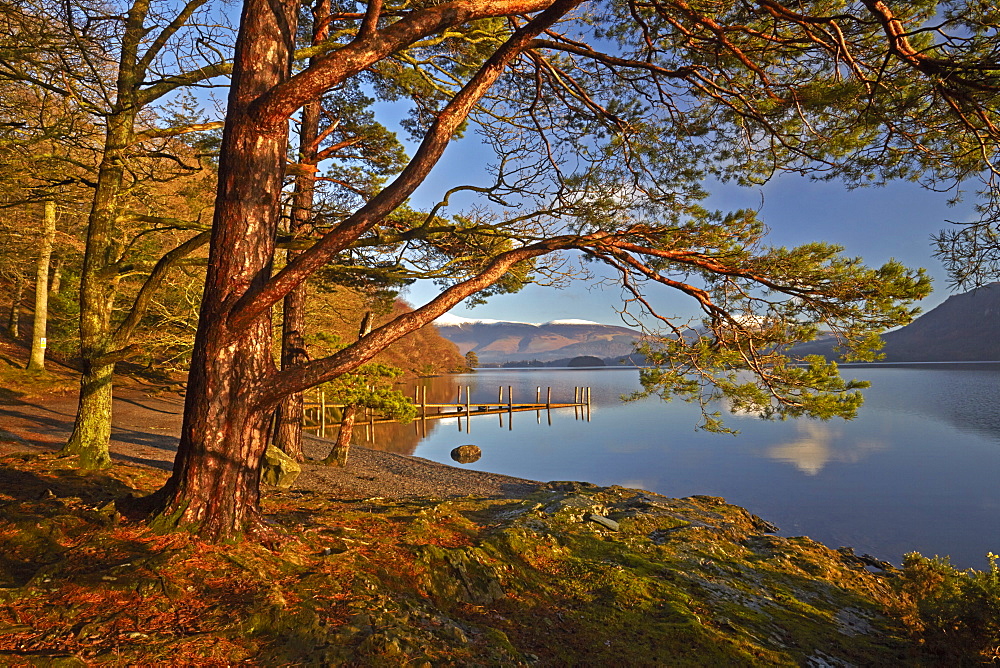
[572, 575]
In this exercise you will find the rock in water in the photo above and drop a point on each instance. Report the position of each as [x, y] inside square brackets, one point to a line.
[466, 454]
[279, 469]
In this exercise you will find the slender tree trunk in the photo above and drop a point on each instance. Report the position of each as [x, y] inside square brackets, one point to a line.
[342, 448]
[14, 317]
[92, 429]
[91, 435]
[290, 413]
[36, 361]
[288, 432]
[215, 483]
[56, 276]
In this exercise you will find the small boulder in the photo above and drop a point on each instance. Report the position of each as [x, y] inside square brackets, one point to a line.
[466, 454]
[605, 522]
[278, 469]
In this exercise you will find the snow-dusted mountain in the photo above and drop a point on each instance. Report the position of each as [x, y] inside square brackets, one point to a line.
[499, 341]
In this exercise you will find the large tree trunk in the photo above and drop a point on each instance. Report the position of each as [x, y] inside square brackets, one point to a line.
[36, 361]
[288, 431]
[233, 384]
[215, 482]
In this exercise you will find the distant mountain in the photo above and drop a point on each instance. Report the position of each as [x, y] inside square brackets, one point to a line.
[964, 328]
[499, 341]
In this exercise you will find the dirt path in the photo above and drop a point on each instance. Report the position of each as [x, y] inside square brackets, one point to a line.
[147, 426]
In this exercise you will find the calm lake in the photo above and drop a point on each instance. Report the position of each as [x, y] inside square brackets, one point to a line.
[917, 470]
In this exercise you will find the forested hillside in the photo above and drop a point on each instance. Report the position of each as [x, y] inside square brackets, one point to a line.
[336, 318]
[164, 347]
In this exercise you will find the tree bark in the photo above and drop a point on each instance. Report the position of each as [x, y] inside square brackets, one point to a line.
[36, 361]
[342, 448]
[98, 285]
[224, 434]
[291, 410]
[92, 429]
[214, 488]
[288, 430]
[14, 317]
[56, 283]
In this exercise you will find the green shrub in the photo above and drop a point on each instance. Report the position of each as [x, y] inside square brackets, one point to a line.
[956, 613]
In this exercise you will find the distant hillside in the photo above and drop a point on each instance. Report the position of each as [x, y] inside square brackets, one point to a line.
[499, 341]
[964, 328]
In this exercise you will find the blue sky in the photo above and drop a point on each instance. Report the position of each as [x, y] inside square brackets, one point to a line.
[876, 224]
[873, 223]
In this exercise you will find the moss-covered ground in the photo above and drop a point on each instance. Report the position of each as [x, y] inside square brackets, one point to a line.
[545, 580]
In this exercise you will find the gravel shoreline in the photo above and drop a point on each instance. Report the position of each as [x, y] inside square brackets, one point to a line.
[147, 427]
[374, 473]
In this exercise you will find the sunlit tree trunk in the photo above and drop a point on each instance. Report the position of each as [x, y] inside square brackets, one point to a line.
[342, 448]
[225, 430]
[56, 276]
[36, 361]
[14, 316]
[98, 284]
[233, 385]
[288, 431]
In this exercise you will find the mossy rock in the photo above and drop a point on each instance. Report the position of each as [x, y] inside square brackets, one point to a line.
[278, 469]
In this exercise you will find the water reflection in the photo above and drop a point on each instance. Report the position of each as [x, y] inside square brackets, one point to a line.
[818, 444]
[964, 394]
[403, 438]
[914, 471]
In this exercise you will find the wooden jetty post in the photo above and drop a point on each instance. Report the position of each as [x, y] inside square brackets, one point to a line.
[510, 408]
[322, 414]
[548, 404]
[462, 408]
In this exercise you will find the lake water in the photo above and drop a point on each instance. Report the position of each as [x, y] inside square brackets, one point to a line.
[917, 470]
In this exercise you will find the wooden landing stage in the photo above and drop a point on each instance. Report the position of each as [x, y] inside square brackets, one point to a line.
[317, 418]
